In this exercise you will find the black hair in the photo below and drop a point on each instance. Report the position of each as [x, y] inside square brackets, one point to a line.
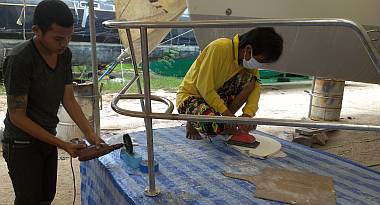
[49, 12]
[264, 41]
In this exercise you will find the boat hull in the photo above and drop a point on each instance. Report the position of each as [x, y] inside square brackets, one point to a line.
[14, 26]
[332, 52]
[108, 42]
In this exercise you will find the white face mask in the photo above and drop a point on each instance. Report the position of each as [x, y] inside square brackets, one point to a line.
[251, 63]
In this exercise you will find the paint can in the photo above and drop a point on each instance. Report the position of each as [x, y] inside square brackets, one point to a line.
[326, 99]
[66, 128]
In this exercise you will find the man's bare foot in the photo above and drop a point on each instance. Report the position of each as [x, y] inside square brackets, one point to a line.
[192, 133]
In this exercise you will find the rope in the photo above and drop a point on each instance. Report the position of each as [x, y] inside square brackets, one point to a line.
[22, 16]
[176, 37]
[111, 66]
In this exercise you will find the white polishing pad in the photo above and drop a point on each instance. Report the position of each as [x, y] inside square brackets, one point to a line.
[267, 147]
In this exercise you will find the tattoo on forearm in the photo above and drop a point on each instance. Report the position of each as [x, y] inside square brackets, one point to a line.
[16, 102]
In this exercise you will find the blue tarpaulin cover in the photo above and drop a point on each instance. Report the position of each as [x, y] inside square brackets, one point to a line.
[190, 172]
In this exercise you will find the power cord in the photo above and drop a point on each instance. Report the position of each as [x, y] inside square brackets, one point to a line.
[72, 171]
[75, 141]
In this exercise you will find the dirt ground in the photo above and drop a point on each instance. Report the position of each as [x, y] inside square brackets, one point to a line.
[361, 104]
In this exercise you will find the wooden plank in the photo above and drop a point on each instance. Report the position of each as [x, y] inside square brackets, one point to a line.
[291, 186]
[310, 131]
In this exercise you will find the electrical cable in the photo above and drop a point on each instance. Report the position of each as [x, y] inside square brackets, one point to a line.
[72, 171]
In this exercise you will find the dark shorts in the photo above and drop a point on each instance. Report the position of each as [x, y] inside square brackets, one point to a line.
[32, 167]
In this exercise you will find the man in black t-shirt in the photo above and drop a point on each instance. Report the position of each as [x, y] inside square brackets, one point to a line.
[38, 78]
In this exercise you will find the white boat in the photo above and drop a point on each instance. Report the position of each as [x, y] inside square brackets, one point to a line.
[333, 52]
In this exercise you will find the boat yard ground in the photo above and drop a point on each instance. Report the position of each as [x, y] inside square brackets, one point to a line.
[361, 104]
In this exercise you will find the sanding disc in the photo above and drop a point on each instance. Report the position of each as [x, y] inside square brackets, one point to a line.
[267, 147]
[128, 143]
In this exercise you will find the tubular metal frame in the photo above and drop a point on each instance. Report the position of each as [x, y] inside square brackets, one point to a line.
[147, 114]
[94, 64]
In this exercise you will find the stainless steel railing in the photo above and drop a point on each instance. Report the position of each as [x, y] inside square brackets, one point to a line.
[147, 114]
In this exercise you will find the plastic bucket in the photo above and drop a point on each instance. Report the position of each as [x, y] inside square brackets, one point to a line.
[66, 128]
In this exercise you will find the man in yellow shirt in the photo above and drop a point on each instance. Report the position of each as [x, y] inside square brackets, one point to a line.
[224, 77]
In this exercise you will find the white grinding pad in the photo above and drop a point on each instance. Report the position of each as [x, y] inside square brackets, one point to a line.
[267, 147]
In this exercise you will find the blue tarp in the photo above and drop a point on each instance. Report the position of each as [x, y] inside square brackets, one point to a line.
[191, 173]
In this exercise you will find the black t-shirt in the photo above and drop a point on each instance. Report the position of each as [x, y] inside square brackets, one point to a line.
[27, 73]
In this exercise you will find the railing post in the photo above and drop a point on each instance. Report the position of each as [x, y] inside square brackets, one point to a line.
[152, 190]
[94, 64]
[134, 63]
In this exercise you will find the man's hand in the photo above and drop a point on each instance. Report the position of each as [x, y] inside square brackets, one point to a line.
[246, 128]
[73, 148]
[191, 132]
[95, 140]
[229, 127]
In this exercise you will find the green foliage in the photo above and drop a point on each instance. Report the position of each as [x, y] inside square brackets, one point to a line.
[126, 66]
[79, 69]
[168, 83]
[110, 86]
[168, 59]
[88, 69]
[157, 82]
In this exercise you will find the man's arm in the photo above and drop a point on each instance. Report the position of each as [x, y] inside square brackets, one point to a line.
[252, 104]
[208, 73]
[251, 107]
[17, 113]
[74, 110]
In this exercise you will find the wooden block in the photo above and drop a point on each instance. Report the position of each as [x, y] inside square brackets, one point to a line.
[291, 187]
[320, 138]
[310, 131]
[307, 141]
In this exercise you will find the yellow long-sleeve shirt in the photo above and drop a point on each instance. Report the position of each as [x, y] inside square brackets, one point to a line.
[216, 64]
